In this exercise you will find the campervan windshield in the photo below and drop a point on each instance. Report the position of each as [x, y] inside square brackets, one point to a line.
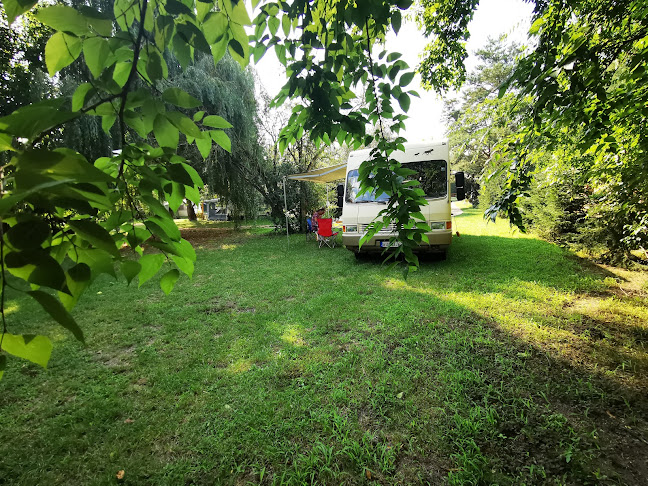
[431, 174]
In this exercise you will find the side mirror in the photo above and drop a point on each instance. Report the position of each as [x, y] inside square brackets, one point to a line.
[340, 195]
[460, 182]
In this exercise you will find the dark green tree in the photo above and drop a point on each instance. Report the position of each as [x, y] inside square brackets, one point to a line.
[587, 81]
[479, 120]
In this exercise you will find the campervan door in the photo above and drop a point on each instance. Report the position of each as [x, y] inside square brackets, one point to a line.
[430, 161]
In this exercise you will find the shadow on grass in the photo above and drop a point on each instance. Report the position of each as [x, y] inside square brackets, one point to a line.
[289, 364]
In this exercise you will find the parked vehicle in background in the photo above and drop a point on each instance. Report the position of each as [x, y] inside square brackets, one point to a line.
[214, 212]
[431, 163]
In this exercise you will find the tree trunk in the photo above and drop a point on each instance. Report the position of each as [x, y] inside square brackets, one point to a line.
[191, 214]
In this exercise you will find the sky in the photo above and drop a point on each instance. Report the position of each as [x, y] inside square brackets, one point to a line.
[492, 18]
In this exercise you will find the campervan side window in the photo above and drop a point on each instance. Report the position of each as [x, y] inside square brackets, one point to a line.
[431, 174]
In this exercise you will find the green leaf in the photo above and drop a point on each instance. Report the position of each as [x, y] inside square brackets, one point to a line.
[184, 124]
[404, 102]
[151, 264]
[121, 72]
[107, 122]
[64, 18]
[236, 47]
[175, 196]
[218, 50]
[177, 8]
[406, 79]
[6, 142]
[14, 8]
[195, 177]
[154, 67]
[36, 349]
[202, 9]
[193, 36]
[28, 234]
[94, 234]
[61, 50]
[7, 202]
[80, 272]
[193, 194]
[216, 121]
[57, 164]
[396, 21]
[273, 24]
[3, 365]
[198, 116]
[183, 51]
[78, 280]
[178, 173]
[215, 27]
[31, 120]
[184, 264]
[98, 261]
[165, 133]
[36, 267]
[185, 250]
[134, 120]
[54, 308]
[130, 269]
[237, 12]
[204, 146]
[97, 54]
[79, 96]
[239, 45]
[98, 22]
[168, 281]
[221, 138]
[285, 25]
[180, 98]
[123, 13]
[156, 207]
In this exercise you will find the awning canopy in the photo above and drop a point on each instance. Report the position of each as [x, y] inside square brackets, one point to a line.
[323, 175]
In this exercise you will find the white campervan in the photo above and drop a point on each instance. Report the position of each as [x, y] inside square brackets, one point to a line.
[430, 161]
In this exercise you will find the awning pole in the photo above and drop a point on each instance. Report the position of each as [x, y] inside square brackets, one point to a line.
[286, 212]
[328, 204]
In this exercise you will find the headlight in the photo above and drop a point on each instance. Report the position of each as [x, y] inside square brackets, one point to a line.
[437, 225]
[350, 228]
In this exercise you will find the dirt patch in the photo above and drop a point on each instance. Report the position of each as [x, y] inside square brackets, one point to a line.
[206, 236]
[116, 359]
[218, 308]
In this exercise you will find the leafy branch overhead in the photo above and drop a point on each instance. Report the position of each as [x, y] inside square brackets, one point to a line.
[67, 220]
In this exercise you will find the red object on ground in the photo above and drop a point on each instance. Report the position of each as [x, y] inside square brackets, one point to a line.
[325, 233]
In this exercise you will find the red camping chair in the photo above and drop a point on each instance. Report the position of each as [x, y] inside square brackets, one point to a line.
[325, 233]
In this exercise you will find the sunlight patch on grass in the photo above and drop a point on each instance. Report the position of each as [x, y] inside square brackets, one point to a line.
[240, 366]
[394, 284]
[293, 336]
[229, 246]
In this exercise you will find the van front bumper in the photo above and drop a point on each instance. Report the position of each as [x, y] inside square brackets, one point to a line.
[439, 241]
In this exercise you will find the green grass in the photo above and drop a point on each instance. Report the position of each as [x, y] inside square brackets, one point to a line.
[510, 363]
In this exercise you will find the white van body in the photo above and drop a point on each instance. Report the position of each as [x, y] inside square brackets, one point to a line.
[431, 160]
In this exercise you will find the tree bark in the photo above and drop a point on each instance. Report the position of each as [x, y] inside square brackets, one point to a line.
[191, 214]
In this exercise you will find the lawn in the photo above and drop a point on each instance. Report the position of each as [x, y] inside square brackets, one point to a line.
[512, 362]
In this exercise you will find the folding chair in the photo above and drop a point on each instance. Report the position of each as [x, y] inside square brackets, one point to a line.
[325, 233]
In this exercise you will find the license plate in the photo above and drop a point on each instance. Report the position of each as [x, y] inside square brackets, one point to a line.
[394, 244]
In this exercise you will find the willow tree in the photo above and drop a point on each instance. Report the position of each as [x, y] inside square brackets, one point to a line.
[227, 90]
